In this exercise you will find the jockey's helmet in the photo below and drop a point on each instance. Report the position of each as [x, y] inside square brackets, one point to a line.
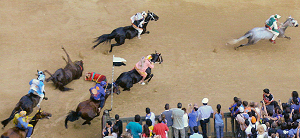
[149, 57]
[144, 13]
[41, 77]
[102, 83]
[22, 113]
[276, 16]
[40, 73]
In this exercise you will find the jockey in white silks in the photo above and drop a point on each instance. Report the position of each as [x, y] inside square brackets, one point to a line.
[37, 87]
[137, 22]
[271, 25]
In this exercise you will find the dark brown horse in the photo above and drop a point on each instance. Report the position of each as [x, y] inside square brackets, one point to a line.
[87, 110]
[72, 71]
[26, 103]
[15, 132]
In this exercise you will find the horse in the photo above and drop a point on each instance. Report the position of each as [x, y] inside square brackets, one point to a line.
[87, 110]
[26, 103]
[259, 33]
[127, 79]
[122, 33]
[61, 77]
[16, 132]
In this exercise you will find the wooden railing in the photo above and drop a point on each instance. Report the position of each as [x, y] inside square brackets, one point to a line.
[229, 124]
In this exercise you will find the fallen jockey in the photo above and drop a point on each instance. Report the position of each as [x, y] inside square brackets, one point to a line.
[98, 94]
[95, 77]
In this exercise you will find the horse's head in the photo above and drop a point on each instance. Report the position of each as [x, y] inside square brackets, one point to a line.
[151, 16]
[156, 57]
[291, 22]
[80, 64]
[42, 114]
[116, 89]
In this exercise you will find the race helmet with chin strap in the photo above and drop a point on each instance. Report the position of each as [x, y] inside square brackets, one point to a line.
[276, 16]
[144, 13]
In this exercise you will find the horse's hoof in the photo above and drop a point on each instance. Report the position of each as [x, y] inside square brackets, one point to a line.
[45, 98]
[289, 38]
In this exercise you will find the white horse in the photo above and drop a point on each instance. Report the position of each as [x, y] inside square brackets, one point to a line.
[259, 33]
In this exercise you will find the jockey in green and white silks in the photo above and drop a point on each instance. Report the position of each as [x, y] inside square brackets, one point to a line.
[137, 22]
[37, 87]
[271, 25]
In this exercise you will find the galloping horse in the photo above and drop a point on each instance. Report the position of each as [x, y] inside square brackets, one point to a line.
[87, 110]
[26, 103]
[19, 133]
[259, 33]
[122, 33]
[72, 71]
[127, 79]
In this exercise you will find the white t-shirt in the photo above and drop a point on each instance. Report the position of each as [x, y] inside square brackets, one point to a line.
[185, 120]
[151, 117]
[248, 131]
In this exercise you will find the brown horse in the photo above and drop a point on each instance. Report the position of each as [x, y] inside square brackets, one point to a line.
[15, 132]
[61, 77]
[87, 110]
[26, 103]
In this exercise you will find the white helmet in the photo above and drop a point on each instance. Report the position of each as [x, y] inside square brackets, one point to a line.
[144, 13]
[276, 16]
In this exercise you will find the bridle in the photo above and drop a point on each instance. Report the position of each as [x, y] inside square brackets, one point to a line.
[151, 17]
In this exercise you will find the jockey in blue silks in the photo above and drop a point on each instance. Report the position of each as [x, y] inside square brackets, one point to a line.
[98, 94]
[37, 87]
[22, 122]
[271, 25]
[137, 22]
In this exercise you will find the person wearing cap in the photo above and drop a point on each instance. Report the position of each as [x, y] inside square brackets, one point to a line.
[142, 66]
[204, 113]
[271, 25]
[23, 123]
[137, 22]
[37, 87]
[98, 94]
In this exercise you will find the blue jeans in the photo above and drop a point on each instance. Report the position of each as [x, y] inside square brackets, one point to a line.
[29, 131]
[219, 130]
[191, 130]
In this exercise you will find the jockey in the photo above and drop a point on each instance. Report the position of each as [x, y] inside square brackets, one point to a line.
[271, 25]
[137, 22]
[98, 94]
[37, 87]
[142, 66]
[21, 121]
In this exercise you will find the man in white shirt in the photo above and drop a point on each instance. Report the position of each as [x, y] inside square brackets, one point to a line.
[204, 113]
[150, 115]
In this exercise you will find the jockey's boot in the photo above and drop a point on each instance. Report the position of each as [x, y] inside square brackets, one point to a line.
[272, 41]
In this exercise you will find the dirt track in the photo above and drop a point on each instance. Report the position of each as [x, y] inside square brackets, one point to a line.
[191, 36]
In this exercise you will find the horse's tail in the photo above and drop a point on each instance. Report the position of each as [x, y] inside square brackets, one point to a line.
[72, 116]
[11, 117]
[104, 38]
[234, 41]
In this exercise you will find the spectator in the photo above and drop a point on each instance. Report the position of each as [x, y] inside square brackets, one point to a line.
[177, 115]
[150, 115]
[246, 107]
[168, 114]
[126, 135]
[204, 113]
[107, 131]
[268, 99]
[219, 124]
[261, 132]
[196, 133]
[160, 128]
[193, 114]
[146, 131]
[163, 118]
[135, 127]
[233, 105]
[115, 131]
[237, 109]
[185, 122]
[119, 124]
[294, 95]
[248, 128]
[149, 123]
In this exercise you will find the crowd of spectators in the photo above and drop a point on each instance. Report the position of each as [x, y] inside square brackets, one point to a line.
[267, 119]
